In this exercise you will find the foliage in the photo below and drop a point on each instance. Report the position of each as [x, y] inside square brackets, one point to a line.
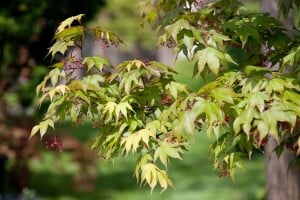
[115, 181]
[26, 29]
[140, 109]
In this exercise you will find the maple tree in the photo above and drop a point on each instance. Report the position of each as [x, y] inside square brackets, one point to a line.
[26, 30]
[139, 108]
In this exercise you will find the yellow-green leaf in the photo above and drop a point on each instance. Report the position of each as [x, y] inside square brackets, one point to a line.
[34, 130]
[166, 150]
[68, 22]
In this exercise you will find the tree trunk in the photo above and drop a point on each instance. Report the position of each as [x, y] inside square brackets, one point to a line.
[165, 55]
[282, 180]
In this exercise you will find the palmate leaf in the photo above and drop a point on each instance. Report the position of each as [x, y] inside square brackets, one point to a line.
[246, 31]
[75, 33]
[224, 95]
[131, 80]
[99, 33]
[68, 22]
[149, 174]
[206, 56]
[55, 76]
[113, 109]
[94, 79]
[188, 41]
[137, 140]
[174, 29]
[122, 108]
[166, 150]
[245, 28]
[152, 175]
[274, 115]
[263, 129]
[109, 108]
[175, 88]
[211, 57]
[257, 100]
[60, 89]
[244, 119]
[143, 159]
[146, 171]
[42, 127]
[60, 46]
[209, 112]
[96, 62]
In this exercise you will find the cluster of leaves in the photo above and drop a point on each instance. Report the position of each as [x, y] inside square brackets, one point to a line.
[140, 109]
[250, 98]
[125, 102]
[26, 27]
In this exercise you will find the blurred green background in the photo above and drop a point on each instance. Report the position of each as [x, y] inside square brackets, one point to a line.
[29, 169]
[193, 177]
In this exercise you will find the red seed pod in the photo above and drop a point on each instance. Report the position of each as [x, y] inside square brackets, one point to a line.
[146, 61]
[227, 118]
[264, 141]
[167, 100]
[54, 143]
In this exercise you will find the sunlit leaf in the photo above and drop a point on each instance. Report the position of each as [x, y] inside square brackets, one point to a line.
[68, 22]
[34, 130]
[166, 150]
[95, 62]
[60, 46]
[74, 33]
[263, 130]
[132, 141]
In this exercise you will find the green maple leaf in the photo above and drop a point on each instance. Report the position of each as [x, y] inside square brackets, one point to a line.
[60, 46]
[42, 127]
[166, 150]
[67, 23]
[95, 61]
[210, 57]
[136, 140]
[72, 33]
[247, 31]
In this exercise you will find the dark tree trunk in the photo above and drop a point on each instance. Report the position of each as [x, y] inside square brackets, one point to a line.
[282, 180]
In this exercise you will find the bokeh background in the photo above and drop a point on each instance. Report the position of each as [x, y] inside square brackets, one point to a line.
[28, 170]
